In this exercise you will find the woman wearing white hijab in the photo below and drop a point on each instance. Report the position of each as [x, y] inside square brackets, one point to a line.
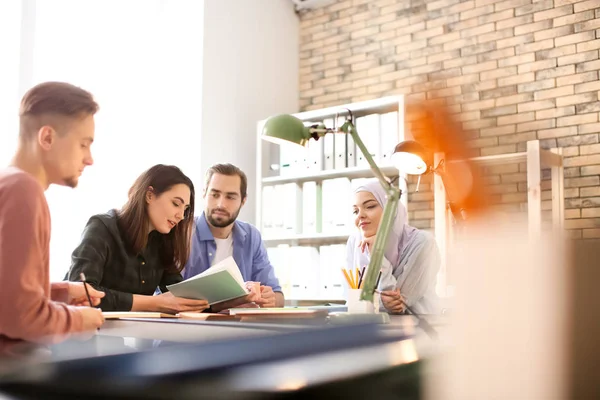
[411, 258]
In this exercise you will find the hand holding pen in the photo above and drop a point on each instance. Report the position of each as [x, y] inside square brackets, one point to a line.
[392, 300]
[82, 294]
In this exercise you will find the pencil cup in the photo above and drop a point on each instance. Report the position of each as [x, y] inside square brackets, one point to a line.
[357, 306]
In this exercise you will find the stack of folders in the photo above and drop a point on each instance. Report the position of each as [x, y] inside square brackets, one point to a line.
[379, 132]
[313, 207]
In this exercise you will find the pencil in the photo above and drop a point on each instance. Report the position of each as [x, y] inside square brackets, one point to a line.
[378, 278]
[87, 293]
[361, 275]
[347, 276]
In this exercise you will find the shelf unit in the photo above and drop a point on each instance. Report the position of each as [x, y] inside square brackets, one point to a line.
[536, 159]
[268, 154]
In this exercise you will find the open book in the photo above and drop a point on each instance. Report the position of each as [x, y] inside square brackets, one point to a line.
[221, 282]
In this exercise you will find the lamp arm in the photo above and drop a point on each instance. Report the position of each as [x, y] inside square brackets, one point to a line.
[349, 128]
[389, 213]
[385, 226]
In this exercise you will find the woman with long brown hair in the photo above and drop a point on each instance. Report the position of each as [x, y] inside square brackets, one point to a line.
[128, 253]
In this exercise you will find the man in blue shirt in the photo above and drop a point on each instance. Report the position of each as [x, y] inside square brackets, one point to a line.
[218, 235]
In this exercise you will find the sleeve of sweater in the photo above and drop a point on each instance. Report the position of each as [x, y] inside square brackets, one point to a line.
[420, 269]
[90, 257]
[26, 310]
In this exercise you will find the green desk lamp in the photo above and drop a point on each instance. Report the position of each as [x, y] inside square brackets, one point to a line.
[287, 128]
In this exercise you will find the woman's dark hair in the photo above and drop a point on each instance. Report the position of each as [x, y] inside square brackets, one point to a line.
[134, 219]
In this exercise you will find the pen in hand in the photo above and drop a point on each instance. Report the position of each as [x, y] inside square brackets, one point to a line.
[87, 293]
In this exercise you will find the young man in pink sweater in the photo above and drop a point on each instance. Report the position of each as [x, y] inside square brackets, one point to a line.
[55, 135]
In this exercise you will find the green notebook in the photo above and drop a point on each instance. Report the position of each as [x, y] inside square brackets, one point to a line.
[221, 282]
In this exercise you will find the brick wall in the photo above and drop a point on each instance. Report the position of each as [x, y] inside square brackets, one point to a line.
[512, 70]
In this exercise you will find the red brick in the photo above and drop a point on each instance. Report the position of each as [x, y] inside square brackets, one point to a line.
[588, 128]
[577, 78]
[478, 105]
[516, 60]
[500, 130]
[589, 45]
[582, 160]
[536, 105]
[537, 86]
[533, 27]
[555, 72]
[587, 25]
[503, 5]
[535, 7]
[514, 99]
[556, 52]
[517, 138]
[516, 79]
[478, 124]
[593, 212]
[590, 233]
[460, 61]
[536, 125]
[574, 38]
[511, 41]
[555, 112]
[498, 73]
[513, 22]
[580, 58]
[555, 13]
[585, 5]
[588, 66]
[558, 92]
[576, 119]
[537, 65]
[531, 46]
[590, 170]
[572, 214]
[486, 66]
[490, 151]
[559, 32]
[498, 111]
[517, 118]
[445, 38]
[573, 18]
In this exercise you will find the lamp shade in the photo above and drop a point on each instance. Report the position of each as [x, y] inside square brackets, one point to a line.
[411, 158]
[286, 128]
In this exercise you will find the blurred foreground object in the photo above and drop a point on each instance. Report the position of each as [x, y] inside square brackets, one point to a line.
[525, 314]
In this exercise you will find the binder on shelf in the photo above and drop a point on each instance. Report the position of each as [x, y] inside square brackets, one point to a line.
[350, 152]
[311, 208]
[278, 256]
[389, 136]
[368, 130]
[328, 147]
[268, 223]
[337, 201]
[315, 155]
[291, 205]
[340, 146]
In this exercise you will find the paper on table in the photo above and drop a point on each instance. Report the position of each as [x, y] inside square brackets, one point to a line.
[221, 282]
[135, 314]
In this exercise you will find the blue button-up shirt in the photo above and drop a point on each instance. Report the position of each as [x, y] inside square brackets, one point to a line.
[249, 253]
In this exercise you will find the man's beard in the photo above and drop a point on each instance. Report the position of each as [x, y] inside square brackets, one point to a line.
[222, 223]
[71, 182]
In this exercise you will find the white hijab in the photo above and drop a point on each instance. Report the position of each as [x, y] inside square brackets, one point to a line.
[400, 234]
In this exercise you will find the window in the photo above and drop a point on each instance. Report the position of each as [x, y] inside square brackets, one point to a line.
[142, 60]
